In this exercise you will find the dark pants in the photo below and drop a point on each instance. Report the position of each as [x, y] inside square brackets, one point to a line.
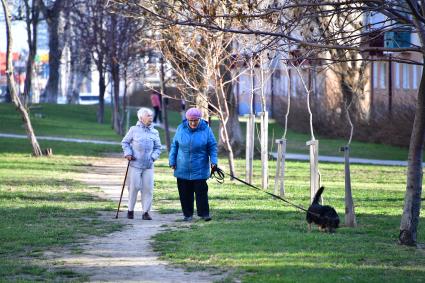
[187, 189]
[157, 114]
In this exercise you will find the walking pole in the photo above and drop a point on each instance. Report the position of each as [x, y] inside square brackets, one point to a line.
[122, 190]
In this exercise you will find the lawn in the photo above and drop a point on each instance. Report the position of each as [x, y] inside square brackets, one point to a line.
[254, 237]
[79, 121]
[260, 239]
[43, 207]
[41, 204]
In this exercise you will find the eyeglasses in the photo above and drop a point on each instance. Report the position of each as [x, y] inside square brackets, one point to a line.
[193, 121]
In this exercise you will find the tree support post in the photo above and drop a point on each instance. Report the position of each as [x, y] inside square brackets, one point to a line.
[314, 167]
[249, 154]
[279, 180]
[264, 150]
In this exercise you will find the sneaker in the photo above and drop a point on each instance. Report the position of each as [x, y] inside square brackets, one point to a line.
[206, 218]
[146, 216]
[187, 218]
[130, 214]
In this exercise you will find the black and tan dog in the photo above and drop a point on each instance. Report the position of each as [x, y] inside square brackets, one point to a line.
[324, 216]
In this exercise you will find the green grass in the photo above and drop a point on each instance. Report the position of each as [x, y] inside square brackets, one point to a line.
[42, 207]
[296, 143]
[72, 121]
[257, 238]
[79, 121]
[264, 240]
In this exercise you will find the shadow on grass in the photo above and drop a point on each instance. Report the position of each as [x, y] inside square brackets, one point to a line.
[275, 246]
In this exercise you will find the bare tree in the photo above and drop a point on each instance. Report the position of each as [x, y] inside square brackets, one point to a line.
[113, 42]
[202, 62]
[12, 85]
[32, 12]
[90, 20]
[283, 29]
[78, 61]
[52, 13]
[124, 50]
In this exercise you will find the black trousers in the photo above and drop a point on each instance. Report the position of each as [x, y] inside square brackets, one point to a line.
[157, 114]
[187, 190]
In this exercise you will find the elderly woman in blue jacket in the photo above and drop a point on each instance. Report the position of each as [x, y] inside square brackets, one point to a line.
[141, 146]
[193, 151]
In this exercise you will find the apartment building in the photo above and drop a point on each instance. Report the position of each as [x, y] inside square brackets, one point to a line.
[395, 77]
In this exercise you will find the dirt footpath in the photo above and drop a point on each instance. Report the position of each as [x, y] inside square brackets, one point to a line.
[127, 255]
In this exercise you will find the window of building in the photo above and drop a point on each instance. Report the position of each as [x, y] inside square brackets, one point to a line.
[415, 77]
[406, 78]
[397, 75]
[375, 74]
[294, 82]
[284, 82]
[382, 75]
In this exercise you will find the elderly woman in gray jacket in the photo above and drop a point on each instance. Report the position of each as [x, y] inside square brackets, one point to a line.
[141, 146]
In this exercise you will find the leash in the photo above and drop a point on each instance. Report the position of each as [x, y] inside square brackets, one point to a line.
[218, 174]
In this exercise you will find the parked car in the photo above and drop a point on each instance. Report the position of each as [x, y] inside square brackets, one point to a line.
[88, 99]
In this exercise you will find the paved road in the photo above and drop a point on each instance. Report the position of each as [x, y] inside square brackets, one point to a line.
[289, 156]
[336, 159]
[15, 136]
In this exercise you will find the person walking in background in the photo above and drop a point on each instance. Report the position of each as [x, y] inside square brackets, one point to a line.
[141, 146]
[193, 151]
[156, 105]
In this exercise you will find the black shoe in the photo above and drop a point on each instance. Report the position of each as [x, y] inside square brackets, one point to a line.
[187, 218]
[206, 218]
[130, 214]
[146, 216]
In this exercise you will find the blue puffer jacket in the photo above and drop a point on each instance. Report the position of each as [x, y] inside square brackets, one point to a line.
[143, 143]
[192, 151]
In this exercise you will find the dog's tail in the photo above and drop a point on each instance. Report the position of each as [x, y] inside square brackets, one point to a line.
[318, 194]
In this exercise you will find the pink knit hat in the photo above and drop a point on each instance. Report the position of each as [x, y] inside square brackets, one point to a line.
[193, 114]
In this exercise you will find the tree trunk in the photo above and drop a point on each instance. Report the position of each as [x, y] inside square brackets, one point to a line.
[32, 14]
[164, 106]
[55, 53]
[102, 89]
[230, 131]
[12, 86]
[116, 108]
[233, 126]
[234, 129]
[412, 200]
[124, 104]
[53, 16]
[70, 98]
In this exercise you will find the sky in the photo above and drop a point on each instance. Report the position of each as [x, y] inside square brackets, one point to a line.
[19, 36]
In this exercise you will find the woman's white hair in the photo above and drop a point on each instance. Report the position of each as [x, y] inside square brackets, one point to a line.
[143, 111]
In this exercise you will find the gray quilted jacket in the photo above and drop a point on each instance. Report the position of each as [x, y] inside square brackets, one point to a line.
[143, 143]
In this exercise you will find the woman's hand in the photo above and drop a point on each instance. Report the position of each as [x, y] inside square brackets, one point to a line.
[129, 157]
